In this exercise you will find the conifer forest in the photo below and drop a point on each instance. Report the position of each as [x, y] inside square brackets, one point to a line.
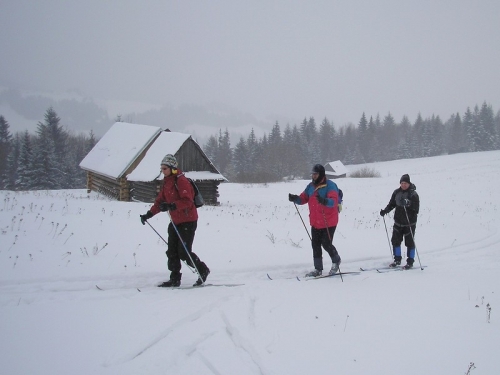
[50, 159]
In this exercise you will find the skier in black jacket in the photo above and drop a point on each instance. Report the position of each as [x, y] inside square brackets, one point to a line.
[407, 203]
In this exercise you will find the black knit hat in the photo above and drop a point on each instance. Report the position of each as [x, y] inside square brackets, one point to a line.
[405, 178]
[318, 168]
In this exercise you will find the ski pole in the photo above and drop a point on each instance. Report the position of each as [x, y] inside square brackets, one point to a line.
[413, 238]
[302, 220]
[185, 248]
[166, 243]
[386, 232]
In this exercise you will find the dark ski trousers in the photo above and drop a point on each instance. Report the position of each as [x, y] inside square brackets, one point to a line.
[176, 251]
[323, 238]
[399, 232]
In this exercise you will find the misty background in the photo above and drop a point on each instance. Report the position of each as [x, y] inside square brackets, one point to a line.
[201, 66]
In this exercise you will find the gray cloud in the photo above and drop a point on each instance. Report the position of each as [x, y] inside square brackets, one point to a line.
[297, 59]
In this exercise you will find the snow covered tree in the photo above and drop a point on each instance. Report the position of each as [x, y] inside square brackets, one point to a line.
[487, 124]
[224, 152]
[326, 141]
[45, 166]
[5, 146]
[10, 176]
[241, 161]
[363, 137]
[374, 145]
[211, 149]
[456, 141]
[252, 145]
[470, 131]
[25, 173]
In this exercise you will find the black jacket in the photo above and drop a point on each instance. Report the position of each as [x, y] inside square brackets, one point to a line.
[397, 202]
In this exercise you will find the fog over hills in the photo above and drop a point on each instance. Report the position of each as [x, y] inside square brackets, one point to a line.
[24, 109]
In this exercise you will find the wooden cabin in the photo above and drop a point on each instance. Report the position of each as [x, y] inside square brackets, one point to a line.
[125, 163]
[335, 169]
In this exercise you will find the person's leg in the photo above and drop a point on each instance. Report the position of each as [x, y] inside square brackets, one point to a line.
[396, 239]
[327, 243]
[410, 246]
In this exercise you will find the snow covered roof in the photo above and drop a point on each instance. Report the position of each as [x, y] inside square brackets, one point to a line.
[119, 148]
[167, 143]
[335, 168]
[204, 175]
[149, 167]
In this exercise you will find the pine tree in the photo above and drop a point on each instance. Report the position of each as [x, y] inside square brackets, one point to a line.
[241, 161]
[374, 145]
[275, 160]
[10, 176]
[5, 145]
[52, 134]
[456, 138]
[224, 152]
[363, 137]
[478, 130]
[437, 131]
[417, 150]
[211, 149]
[252, 145]
[389, 139]
[487, 121]
[25, 173]
[497, 130]
[326, 141]
[45, 167]
[470, 131]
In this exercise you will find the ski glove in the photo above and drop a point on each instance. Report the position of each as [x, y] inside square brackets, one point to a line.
[321, 200]
[293, 198]
[145, 217]
[406, 202]
[383, 212]
[164, 206]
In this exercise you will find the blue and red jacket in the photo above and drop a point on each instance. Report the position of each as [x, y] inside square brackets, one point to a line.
[321, 216]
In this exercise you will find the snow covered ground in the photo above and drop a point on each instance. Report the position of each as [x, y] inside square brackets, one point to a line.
[57, 246]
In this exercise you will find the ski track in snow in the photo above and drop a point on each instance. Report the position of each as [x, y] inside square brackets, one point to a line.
[240, 342]
[166, 332]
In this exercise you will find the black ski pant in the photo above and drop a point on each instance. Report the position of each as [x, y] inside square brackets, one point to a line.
[176, 250]
[323, 238]
[400, 232]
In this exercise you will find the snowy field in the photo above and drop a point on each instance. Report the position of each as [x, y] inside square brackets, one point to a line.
[58, 247]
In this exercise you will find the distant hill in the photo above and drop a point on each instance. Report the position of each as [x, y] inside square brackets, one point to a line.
[80, 114]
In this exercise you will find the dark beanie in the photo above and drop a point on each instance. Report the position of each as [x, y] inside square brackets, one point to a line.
[318, 168]
[405, 178]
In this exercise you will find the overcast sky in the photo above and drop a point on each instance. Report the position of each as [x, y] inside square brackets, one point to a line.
[334, 59]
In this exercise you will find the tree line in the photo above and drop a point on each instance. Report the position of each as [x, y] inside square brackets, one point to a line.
[290, 152]
[50, 158]
[47, 160]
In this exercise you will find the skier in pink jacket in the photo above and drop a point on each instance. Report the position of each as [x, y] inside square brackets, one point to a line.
[322, 196]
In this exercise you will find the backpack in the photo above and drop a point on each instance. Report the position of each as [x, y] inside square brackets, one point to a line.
[341, 198]
[198, 198]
